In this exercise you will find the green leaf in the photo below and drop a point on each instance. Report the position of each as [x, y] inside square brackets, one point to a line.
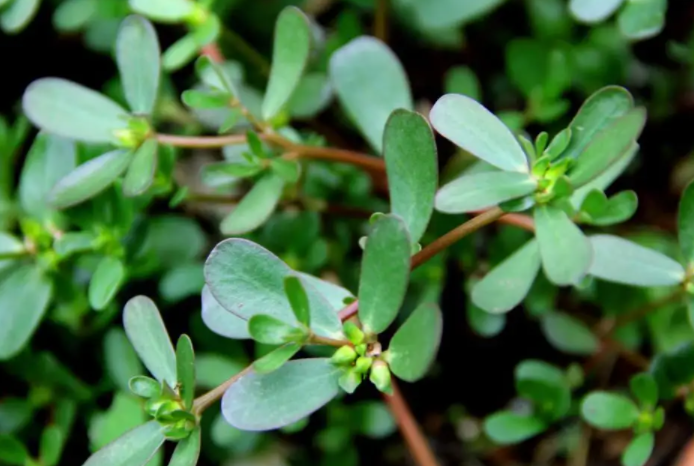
[73, 15]
[165, 11]
[73, 111]
[685, 223]
[409, 150]
[438, 15]
[185, 370]
[559, 144]
[106, 281]
[462, 80]
[212, 370]
[255, 207]
[642, 19]
[180, 53]
[565, 252]
[593, 11]
[621, 261]
[333, 293]
[51, 445]
[370, 83]
[639, 450]
[546, 385]
[49, 159]
[607, 147]
[507, 428]
[12, 451]
[598, 112]
[148, 335]
[602, 182]
[288, 170]
[24, 297]
[291, 49]
[139, 63]
[17, 15]
[569, 334]
[135, 448]
[469, 125]
[645, 389]
[247, 279]
[142, 169]
[469, 193]
[312, 95]
[121, 361]
[609, 411]
[276, 358]
[124, 413]
[15, 413]
[414, 346]
[483, 323]
[298, 300]
[89, 179]
[206, 99]
[508, 283]
[216, 173]
[221, 321]
[258, 402]
[144, 386]
[187, 450]
[385, 270]
[269, 330]
[603, 212]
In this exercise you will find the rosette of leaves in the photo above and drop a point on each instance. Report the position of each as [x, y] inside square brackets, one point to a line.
[558, 180]
[613, 411]
[637, 20]
[547, 388]
[170, 394]
[72, 111]
[202, 23]
[15, 15]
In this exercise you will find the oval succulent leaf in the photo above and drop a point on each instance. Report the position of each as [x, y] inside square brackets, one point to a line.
[269, 330]
[291, 49]
[221, 321]
[469, 193]
[508, 283]
[643, 19]
[255, 207]
[409, 150]
[507, 428]
[276, 358]
[259, 402]
[414, 346]
[469, 125]
[593, 11]
[165, 11]
[73, 111]
[619, 260]
[146, 331]
[639, 450]
[370, 83]
[142, 169]
[136, 447]
[106, 281]
[609, 411]
[385, 269]
[568, 334]
[185, 370]
[187, 450]
[139, 63]
[645, 389]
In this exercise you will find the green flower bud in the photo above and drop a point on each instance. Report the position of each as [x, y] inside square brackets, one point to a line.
[363, 364]
[343, 356]
[354, 333]
[380, 377]
[349, 380]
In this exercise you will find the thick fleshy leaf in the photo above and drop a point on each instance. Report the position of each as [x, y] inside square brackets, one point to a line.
[385, 269]
[333, 293]
[24, 297]
[311, 96]
[685, 223]
[439, 15]
[185, 369]
[89, 179]
[146, 331]
[642, 19]
[298, 299]
[187, 450]
[164, 11]
[645, 389]
[569, 334]
[609, 411]
[598, 112]
[50, 158]
[139, 63]
[142, 169]
[106, 281]
[469, 125]
[608, 146]
[121, 361]
[409, 150]
[482, 190]
[593, 11]
[370, 83]
[639, 450]
[507, 428]
[619, 260]
[17, 15]
[73, 111]
[51, 445]
[604, 180]
[264, 402]
[269, 330]
[565, 252]
[414, 346]
[291, 49]
[597, 209]
[276, 358]
[247, 279]
[508, 283]
[256, 206]
[221, 321]
[135, 448]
